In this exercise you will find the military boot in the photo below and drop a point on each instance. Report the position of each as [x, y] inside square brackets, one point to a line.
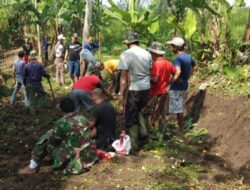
[142, 126]
[133, 132]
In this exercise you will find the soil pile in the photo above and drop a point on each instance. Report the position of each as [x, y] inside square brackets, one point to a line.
[228, 121]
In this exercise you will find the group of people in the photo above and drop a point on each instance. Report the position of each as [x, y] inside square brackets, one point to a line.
[29, 76]
[145, 78]
[76, 56]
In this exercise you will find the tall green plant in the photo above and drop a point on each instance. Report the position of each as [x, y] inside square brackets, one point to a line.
[187, 27]
[142, 21]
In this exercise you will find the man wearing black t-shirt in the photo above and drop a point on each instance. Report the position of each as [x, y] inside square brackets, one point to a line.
[103, 118]
[73, 51]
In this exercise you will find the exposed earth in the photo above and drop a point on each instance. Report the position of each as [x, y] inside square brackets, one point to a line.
[218, 159]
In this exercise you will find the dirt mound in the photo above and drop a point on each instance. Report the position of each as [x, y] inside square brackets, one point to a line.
[228, 122]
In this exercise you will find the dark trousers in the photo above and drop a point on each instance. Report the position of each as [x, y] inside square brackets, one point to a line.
[136, 101]
[36, 95]
[46, 56]
[117, 82]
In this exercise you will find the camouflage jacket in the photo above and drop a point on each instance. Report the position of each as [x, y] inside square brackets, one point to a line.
[69, 134]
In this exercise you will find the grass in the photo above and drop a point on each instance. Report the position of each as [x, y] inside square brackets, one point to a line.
[176, 174]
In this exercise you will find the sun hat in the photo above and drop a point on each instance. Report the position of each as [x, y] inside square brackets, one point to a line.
[156, 48]
[177, 41]
[131, 37]
[60, 37]
[33, 55]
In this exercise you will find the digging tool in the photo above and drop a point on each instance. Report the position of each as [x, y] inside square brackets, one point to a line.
[100, 47]
[53, 96]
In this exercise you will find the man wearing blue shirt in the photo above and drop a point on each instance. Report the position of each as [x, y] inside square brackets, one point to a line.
[18, 74]
[184, 67]
[46, 48]
[33, 73]
[91, 45]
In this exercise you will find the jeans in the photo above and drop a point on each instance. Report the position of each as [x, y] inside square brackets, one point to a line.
[81, 99]
[74, 68]
[19, 84]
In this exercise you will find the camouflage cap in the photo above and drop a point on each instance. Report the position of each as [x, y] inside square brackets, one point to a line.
[33, 55]
[156, 48]
[131, 37]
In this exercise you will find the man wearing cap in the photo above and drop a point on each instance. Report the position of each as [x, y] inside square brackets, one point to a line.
[184, 65]
[135, 65]
[33, 73]
[59, 61]
[73, 51]
[161, 73]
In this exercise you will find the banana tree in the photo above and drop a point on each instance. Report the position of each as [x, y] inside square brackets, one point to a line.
[220, 24]
[187, 27]
[187, 24]
[145, 22]
[247, 32]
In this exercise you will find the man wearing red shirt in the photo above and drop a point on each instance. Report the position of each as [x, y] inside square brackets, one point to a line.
[81, 92]
[161, 73]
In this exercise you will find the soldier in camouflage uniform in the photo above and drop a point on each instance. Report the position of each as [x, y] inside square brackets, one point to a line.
[67, 143]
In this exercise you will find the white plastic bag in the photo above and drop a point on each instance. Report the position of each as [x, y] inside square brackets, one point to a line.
[122, 145]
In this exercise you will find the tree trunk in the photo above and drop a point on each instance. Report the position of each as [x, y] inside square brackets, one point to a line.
[247, 32]
[203, 27]
[39, 47]
[215, 35]
[170, 6]
[87, 21]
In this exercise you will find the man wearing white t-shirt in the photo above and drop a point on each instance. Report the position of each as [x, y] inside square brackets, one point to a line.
[59, 61]
[135, 65]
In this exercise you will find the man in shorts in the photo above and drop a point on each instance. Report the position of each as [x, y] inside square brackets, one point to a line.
[73, 51]
[184, 65]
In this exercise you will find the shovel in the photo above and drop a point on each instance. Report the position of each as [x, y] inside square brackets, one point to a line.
[53, 96]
